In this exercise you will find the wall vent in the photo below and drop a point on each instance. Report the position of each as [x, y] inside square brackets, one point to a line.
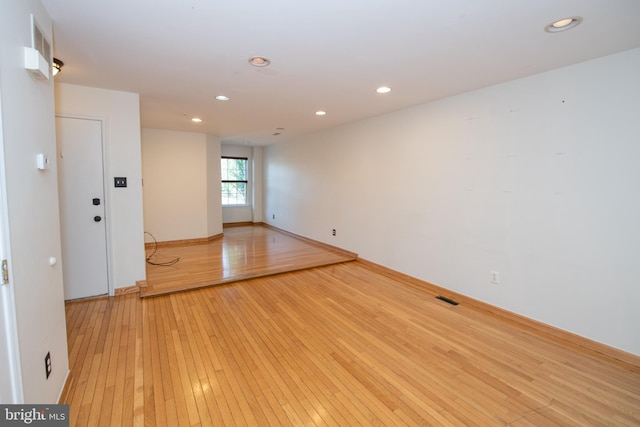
[38, 40]
[447, 300]
[37, 58]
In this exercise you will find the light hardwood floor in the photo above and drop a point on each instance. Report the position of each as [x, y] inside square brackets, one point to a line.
[242, 253]
[340, 345]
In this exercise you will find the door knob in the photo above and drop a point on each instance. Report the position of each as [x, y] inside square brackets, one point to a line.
[97, 218]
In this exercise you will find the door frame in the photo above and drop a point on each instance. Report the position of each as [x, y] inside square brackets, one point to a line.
[8, 320]
[108, 211]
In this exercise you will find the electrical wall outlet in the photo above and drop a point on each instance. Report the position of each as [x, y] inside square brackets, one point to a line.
[494, 277]
[333, 231]
[47, 364]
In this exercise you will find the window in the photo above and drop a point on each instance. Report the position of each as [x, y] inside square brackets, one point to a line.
[234, 181]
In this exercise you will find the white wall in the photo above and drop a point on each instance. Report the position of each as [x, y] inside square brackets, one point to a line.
[179, 200]
[257, 171]
[214, 195]
[122, 113]
[174, 166]
[32, 205]
[537, 179]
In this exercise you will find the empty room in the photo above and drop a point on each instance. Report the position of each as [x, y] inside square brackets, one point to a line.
[320, 213]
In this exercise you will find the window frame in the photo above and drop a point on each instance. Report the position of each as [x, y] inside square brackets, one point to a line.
[245, 181]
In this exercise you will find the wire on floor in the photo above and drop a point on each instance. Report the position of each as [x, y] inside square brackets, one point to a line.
[153, 252]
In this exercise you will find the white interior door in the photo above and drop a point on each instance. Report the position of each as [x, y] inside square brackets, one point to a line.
[82, 207]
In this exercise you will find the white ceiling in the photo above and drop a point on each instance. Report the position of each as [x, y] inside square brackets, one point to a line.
[326, 55]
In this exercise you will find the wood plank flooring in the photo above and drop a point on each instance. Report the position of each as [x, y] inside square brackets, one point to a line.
[242, 253]
[339, 345]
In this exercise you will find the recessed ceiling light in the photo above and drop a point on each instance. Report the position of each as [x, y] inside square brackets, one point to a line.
[259, 61]
[321, 113]
[383, 89]
[196, 120]
[222, 98]
[563, 24]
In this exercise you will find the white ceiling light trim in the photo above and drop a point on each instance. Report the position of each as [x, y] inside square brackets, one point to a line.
[563, 24]
[321, 113]
[222, 98]
[259, 61]
[383, 89]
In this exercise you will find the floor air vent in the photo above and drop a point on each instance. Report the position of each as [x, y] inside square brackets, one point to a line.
[448, 300]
